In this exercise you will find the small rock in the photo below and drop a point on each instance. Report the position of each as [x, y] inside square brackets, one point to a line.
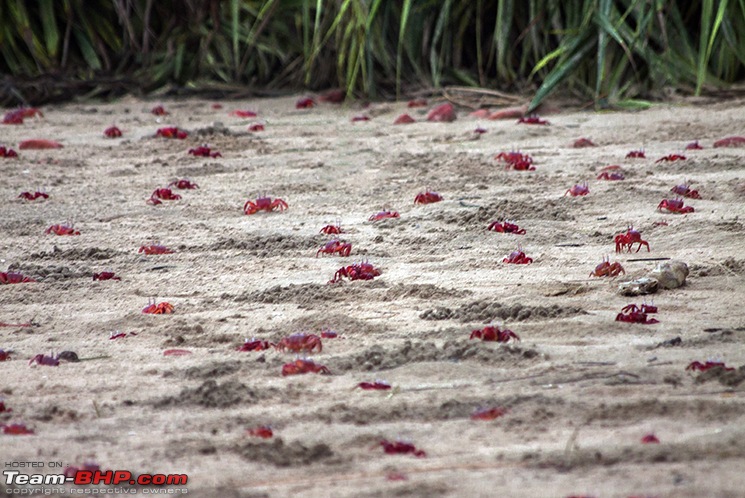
[670, 274]
[641, 286]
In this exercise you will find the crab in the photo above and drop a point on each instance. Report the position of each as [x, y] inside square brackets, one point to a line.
[674, 206]
[730, 142]
[121, 335]
[32, 197]
[378, 385]
[443, 113]
[256, 127]
[332, 230]
[401, 448]
[5, 355]
[360, 117]
[636, 154]
[262, 431]
[300, 342]
[3, 408]
[154, 249]
[630, 238]
[305, 103]
[650, 439]
[516, 160]
[159, 111]
[684, 189]
[334, 246]
[264, 204]
[165, 194]
[494, 333]
[427, 197]
[243, 114]
[355, 271]
[17, 430]
[635, 317]
[14, 278]
[204, 151]
[154, 308]
[518, 257]
[171, 132]
[7, 152]
[581, 143]
[703, 367]
[106, 275]
[301, 366]
[40, 359]
[611, 176]
[329, 334]
[671, 158]
[579, 189]
[382, 215]
[17, 116]
[112, 132]
[644, 308]
[533, 119]
[183, 184]
[488, 413]
[506, 227]
[608, 269]
[62, 230]
[404, 119]
[694, 146]
[255, 345]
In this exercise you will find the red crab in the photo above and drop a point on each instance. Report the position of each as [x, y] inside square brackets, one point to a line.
[417, 103]
[262, 431]
[243, 114]
[204, 151]
[301, 366]
[694, 146]
[183, 184]
[296, 343]
[488, 413]
[7, 152]
[32, 197]
[427, 197]
[356, 271]
[112, 132]
[3, 408]
[334, 246]
[39, 144]
[506, 227]
[518, 257]
[264, 204]
[154, 308]
[730, 142]
[171, 132]
[106, 275]
[256, 127]
[329, 334]
[650, 439]
[479, 130]
[492, 333]
[401, 448]
[685, 190]
[671, 158]
[378, 385]
[581, 143]
[674, 206]
[644, 308]
[5, 355]
[516, 161]
[17, 116]
[165, 194]
[120, 335]
[14, 278]
[404, 119]
[636, 154]
[332, 230]
[579, 189]
[17, 430]
[611, 176]
[154, 249]
[62, 230]
[533, 119]
[382, 215]
[159, 111]
[40, 359]
[443, 113]
[606, 269]
[630, 238]
[360, 117]
[255, 345]
[305, 103]
[633, 316]
[703, 367]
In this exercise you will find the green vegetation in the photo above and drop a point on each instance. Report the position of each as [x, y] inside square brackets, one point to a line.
[603, 50]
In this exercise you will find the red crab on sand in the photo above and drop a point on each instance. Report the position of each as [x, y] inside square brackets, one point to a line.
[255, 345]
[7, 152]
[650, 439]
[378, 385]
[401, 448]
[684, 189]
[171, 132]
[694, 146]
[506, 227]
[516, 160]
[256, 127]
[154, 249]
[703, 367]
[382, 215]
[579, 189]
[40, 359]
[112, 132]
[165, 194]
[671, 158]
[636, 154]
[356, 271]
[533, 119]
[332, 230]
[62, 230]
[443, 113]
[183, 184]
[106, 275]
[633, 315]
[674, 206]
[204, 151]
[262, 431]
[488, 413]
[18, 115]
[243, 114]
[32, 197]
[518, 257]
[154, 308]
[611, 173]
[730, 142]
[427, 197]
[335, 246]
[305, 103]
[17, 430]
[581, 143]
[264, 204]
[14, 278]
[644, 308]
[301, 366]
[493, 333]
[404, 119]
[159, 111]
[606, 269]
[630, 238]
[296, 343]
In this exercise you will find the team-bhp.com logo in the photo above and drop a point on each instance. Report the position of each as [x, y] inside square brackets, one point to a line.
[98, 477]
